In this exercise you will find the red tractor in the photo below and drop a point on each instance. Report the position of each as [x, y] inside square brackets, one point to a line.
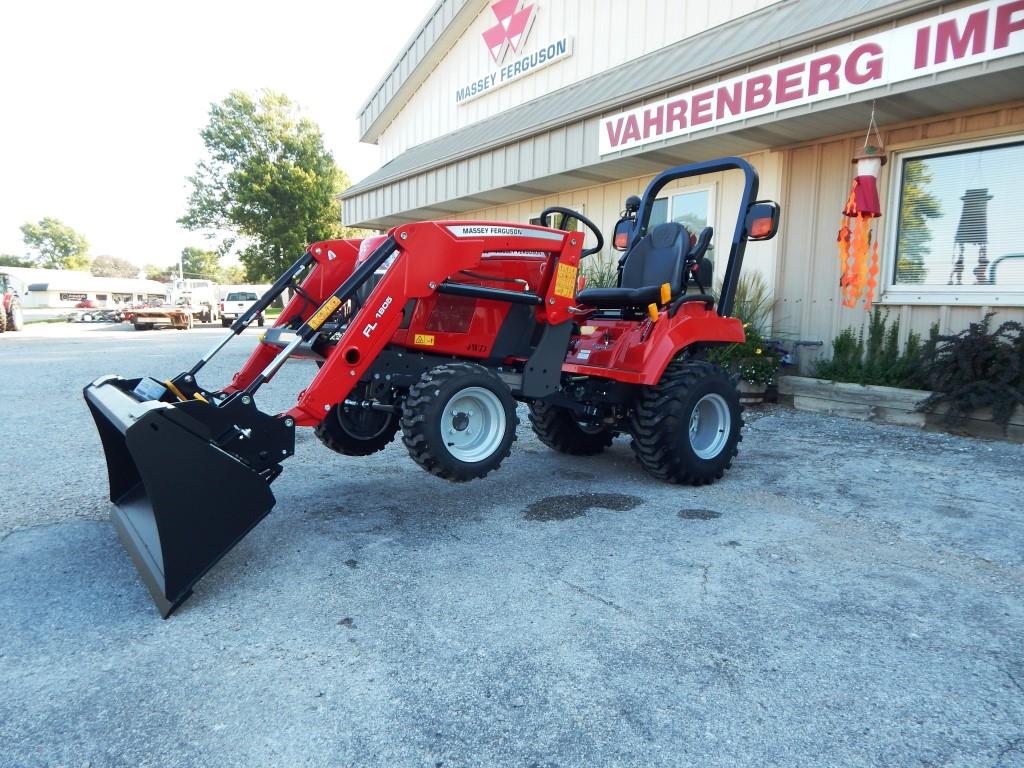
[11, 316]
[436, 330]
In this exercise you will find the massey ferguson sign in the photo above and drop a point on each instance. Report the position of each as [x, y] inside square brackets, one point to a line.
[514, 21]
[973, 34]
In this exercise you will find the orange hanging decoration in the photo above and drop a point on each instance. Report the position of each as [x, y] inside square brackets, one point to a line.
[858, 245]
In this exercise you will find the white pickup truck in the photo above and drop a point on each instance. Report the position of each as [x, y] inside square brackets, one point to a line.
[234, 304]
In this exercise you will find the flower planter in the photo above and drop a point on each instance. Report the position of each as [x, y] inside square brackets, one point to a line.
[889, 405]
[751, 394]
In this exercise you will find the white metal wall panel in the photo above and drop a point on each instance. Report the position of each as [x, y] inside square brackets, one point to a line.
[607, 33]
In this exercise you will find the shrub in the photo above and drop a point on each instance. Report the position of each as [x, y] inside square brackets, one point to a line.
[876, 359]
[755, 360]
[753, 303]
[976, 368]
[600, 273]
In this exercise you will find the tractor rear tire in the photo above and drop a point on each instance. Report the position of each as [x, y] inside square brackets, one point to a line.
[686, 428]
[3, 318]
[558, 429]
[459, 421]
[357, 431]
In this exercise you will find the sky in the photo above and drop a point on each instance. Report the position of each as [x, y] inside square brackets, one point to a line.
[101, 103]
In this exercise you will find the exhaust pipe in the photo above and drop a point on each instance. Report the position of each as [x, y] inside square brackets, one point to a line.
[188, 479]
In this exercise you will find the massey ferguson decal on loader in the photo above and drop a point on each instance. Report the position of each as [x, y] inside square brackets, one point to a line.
[436, 330]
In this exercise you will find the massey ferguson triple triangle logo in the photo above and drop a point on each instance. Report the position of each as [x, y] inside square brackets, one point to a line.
[513, 27]
[515, 19]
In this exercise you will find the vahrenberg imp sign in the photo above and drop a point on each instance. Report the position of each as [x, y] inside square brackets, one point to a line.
[959, 38]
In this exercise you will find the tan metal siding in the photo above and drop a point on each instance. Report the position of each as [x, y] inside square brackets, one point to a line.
[817, 183]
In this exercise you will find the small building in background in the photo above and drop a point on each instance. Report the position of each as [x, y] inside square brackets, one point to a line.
[63, 289]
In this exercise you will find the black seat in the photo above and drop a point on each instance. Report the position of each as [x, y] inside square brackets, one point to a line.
[659, 257]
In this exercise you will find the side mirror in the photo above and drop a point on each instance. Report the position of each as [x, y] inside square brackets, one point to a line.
[623, 227]
[762, 220]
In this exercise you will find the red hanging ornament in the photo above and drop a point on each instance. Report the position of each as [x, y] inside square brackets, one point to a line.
[858, 245]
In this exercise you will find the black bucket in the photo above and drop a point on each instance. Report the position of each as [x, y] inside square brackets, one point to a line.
[182, 496]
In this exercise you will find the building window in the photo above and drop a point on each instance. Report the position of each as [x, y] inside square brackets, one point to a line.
[955, 227]
[694, 209]
[558, 221]
[101, 297]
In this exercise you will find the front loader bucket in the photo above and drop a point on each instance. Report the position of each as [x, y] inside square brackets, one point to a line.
[181, 501]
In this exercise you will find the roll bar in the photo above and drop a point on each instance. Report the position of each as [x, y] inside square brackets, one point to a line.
[740, 233]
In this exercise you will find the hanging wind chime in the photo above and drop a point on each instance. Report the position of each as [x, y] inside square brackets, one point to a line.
[858, 244]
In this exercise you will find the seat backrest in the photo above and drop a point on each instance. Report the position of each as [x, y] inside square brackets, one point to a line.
[658, 258]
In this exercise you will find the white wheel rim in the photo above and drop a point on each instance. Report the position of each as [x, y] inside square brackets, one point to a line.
[710, 424]
[473, 424]
[16, 316]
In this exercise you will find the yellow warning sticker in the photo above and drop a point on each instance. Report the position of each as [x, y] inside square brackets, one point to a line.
[324, 312]
[565, 281]
[423, 339]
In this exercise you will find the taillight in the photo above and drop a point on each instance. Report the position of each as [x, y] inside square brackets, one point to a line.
[222, 306]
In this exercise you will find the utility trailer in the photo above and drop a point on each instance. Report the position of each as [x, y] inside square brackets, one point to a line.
[434, 331]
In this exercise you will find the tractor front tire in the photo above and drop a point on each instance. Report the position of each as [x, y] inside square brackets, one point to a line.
[686, 428]
[459, 421]
[558, 429]
[353, 431]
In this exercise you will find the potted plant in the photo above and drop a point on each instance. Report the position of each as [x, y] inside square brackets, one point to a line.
[753, 362]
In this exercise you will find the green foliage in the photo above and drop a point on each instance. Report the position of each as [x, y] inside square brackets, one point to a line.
[56, 245]
[268, 180]
[600, 273]
[753, 304]
[876, 359]
[232, 275]
[976, 368]
[199, 264]
[752, 360]
[917, 205]
[760, 369]
[113, 266]
[161, 274]
[7, 260]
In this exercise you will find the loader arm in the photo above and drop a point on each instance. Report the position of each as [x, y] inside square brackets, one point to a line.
[333, 261]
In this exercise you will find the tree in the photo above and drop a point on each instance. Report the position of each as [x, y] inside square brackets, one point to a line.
[7, 260]
[232, 275]
[268, 180]
[917, 205]
[197, 263]
[56, 245]
[113, 266]
[161, 274]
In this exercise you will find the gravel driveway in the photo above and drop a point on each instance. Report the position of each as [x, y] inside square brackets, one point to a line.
[850, 595]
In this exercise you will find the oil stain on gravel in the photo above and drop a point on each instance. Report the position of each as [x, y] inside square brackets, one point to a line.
[569, 506]
[698, 514]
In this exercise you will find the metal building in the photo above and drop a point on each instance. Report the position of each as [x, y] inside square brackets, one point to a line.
[495, 110]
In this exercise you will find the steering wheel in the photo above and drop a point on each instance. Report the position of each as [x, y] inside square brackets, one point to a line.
[568, 214]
